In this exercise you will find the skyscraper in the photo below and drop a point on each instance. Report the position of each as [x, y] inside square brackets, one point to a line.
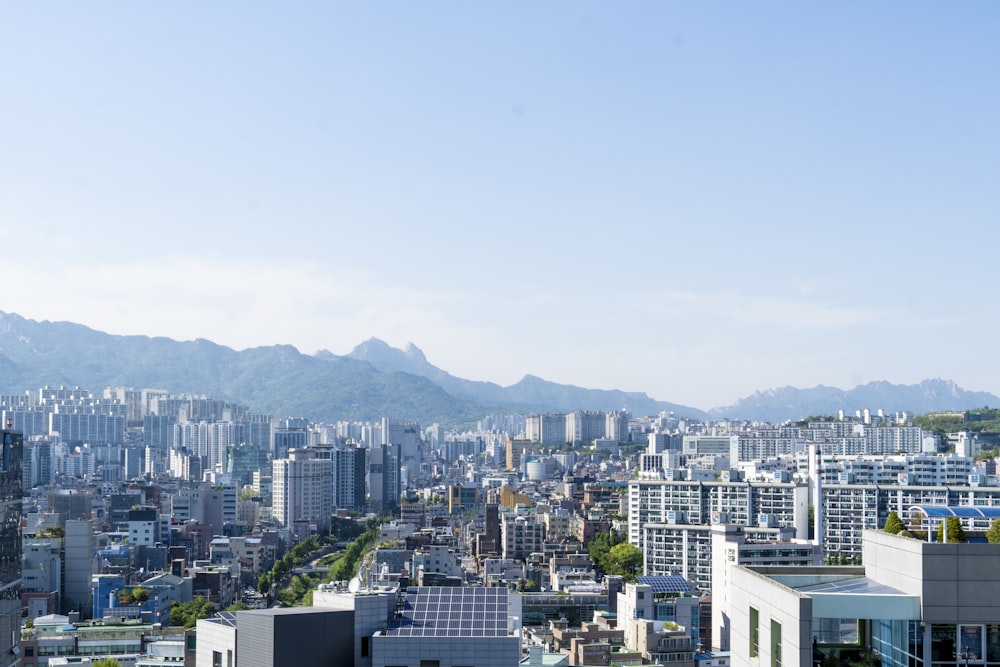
[10, 545]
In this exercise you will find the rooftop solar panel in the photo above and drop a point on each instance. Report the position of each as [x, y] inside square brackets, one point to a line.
[452, 612]
[666, 583]
[227, 617]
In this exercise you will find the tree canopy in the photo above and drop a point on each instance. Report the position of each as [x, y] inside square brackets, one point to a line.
[893, 524]
[624, 559]
[955, 531]
[187, 613]
[993, 532]
[136, 596]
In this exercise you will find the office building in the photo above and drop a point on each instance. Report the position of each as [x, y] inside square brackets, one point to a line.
[384, 478]
[730, 546]
[912, 603]
[10, 545]
[285, 437]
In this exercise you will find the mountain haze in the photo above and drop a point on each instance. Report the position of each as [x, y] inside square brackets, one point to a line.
[531, 393]
[377, 380]
[776, 405]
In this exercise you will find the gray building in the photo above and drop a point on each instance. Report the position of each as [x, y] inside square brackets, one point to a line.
[78, 566]
[384, 477]
[301, 636]
[10, 546]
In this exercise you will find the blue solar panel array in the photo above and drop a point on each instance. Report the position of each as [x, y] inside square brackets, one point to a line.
[227, 617]
[452, 612]
[671, 583]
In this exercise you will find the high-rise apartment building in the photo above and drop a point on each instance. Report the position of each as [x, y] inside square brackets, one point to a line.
[585, 426]
[302, 488]
[349, 478]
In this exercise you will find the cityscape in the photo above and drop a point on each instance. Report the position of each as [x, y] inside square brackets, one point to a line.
[496, 334]
[151, 528]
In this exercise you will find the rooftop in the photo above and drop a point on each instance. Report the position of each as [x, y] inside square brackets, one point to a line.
[452, 612]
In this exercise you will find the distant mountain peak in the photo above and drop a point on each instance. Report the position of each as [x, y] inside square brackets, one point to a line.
[776, 405]
[373, 348]
[414, 352]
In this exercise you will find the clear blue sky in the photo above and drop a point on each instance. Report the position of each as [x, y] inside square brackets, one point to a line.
[695, 200]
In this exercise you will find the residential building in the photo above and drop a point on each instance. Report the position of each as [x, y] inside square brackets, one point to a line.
[521, 536]
[303, 489]
[349, 478]
[659, 598]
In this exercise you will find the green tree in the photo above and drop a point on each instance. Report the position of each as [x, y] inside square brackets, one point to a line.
[625, 559]
[186, 614]
[993, 533]
[264, 584]
[955, 531]
[893, 524]
[599, 546]
[106, 662]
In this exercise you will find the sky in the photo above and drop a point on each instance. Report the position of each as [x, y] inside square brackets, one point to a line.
[693, 200]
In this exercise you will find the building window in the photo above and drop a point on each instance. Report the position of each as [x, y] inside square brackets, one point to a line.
[754, 632]
[775, 644]
[216, 659]
[364, 646]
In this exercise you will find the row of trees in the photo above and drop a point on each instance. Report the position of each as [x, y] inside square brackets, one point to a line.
[343, 566]
[186, 614]
[294, 557]
[951, 526]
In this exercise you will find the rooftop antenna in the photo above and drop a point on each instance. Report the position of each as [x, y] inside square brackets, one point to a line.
[354, 585]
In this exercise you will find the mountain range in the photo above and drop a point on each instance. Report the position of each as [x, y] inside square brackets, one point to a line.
[376, 380]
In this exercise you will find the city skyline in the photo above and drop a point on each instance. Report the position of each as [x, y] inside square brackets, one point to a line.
[693, 203]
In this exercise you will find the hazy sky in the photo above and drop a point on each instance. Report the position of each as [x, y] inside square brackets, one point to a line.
[695, 200]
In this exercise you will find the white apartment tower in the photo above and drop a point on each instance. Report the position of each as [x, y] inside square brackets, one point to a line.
[302, 488]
